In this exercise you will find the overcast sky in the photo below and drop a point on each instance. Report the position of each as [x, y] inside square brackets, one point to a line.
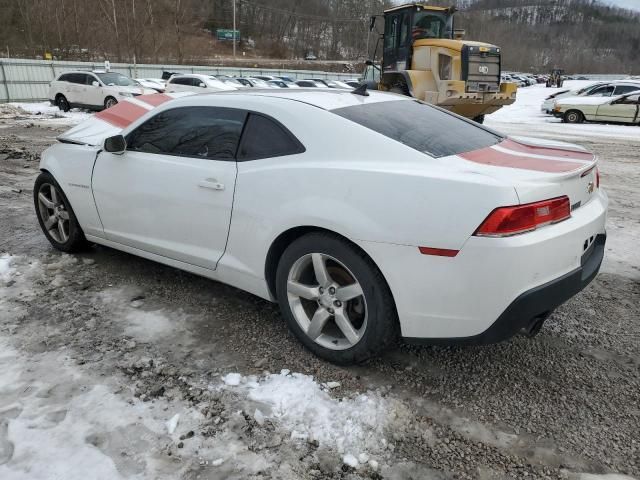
[631, 4]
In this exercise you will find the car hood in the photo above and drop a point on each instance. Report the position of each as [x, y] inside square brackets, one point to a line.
[114, 120]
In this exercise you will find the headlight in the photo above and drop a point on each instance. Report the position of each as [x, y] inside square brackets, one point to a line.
[125, 94]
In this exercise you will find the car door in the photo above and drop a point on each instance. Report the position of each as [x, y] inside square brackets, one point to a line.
[73, 90]
[94, 95]
[624, 110]
[171, 192]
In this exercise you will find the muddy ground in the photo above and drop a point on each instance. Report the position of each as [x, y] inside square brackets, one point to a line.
[138, 342]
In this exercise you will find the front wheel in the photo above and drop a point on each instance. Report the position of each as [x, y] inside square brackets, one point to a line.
[335, 300]
[55, 215]
[573, 116]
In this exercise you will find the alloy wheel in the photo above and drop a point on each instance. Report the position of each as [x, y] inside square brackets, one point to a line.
[327, 301]
[53, 212]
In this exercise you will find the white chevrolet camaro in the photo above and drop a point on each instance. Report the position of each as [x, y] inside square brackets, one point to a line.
[366, 217]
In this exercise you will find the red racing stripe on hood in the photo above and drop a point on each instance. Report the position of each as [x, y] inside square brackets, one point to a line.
[122, 115]
[155, 99]
[497, 158]
[541, 150]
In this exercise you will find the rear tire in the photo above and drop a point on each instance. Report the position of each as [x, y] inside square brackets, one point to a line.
[110, 102]
[573, 116]
[62, 103]
[324, 279]
[56, 217]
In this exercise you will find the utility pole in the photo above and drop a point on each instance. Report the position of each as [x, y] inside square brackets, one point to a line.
[234, 29]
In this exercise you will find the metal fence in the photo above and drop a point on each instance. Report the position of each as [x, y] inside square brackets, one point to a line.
[28, 80]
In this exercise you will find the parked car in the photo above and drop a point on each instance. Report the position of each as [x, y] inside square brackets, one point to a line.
[547, 105]
[282, 84]
[196, 83]
[167, 75]
[93, 90]
[308, 84]
[352, 83]
[339, 84]
[322, 82]
[285, 78]
[240, 188]
[265, 78]
[153, 83]
[618, 109]
[231, 81]
[310, 56]
[260, 83]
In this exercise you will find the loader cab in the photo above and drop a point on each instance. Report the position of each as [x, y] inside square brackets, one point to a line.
[407, 23]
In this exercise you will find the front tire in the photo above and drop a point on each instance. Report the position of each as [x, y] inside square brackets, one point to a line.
[335, 300]
[573, 116]
[55, 215]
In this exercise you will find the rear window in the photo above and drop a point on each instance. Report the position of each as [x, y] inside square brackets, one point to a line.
[422, 127]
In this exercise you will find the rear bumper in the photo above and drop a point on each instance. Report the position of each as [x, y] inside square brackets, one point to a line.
[535, 304]
[490, 285]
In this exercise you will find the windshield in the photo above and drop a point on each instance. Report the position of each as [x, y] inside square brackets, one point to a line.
[430, 24]
[423, 127]
[116, 79]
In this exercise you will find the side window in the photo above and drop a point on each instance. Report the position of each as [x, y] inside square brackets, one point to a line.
[263, 137]
[622, 89]
[391, 32]
[631, 100]
[75, 78]
[91, 79]
[64, 77]
[602, 92]
[87, 79]
[180, 81]
[404, 30]
[201, 132]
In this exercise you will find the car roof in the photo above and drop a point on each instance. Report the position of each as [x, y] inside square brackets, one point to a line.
[325, 98]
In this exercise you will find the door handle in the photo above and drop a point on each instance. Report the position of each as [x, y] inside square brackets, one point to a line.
[211, 183]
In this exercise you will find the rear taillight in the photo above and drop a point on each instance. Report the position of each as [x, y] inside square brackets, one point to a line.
[506, 221]
[597, 178]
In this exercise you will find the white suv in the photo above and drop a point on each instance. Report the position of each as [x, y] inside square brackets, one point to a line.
[196, 83]
[94, 90]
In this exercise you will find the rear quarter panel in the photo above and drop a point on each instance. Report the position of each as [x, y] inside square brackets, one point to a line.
[358, 184]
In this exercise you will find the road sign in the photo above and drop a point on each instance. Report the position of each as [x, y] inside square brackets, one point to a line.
[227, 34]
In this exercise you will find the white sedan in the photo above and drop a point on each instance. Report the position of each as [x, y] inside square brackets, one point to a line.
[366, 217]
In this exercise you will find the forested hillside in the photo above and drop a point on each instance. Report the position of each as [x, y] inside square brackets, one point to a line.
[535, 35]
[577, 35]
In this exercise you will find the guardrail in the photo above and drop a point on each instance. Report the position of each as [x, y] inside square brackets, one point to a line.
[24, 80]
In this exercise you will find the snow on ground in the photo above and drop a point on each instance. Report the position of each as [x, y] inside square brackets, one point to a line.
[43, 112]
[525, 117]
[354, 427]
[5, 268]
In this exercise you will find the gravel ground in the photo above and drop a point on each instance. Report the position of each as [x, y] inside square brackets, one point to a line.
[557, 406]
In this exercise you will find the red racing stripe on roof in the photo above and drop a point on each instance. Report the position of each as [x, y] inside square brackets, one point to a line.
[496, 158]
[154, 99]
[551, 151]
[122, 115]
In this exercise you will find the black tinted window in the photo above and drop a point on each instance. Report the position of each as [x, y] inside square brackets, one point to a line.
[263, 137]
[202, 132]
[77, 78]
[422, 127]
[622, 89]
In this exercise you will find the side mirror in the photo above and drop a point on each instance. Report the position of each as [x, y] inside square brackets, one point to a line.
[116, 144]
[202, 85]
[95, 83]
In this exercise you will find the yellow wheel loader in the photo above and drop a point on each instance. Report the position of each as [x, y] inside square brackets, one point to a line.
[424, 57]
